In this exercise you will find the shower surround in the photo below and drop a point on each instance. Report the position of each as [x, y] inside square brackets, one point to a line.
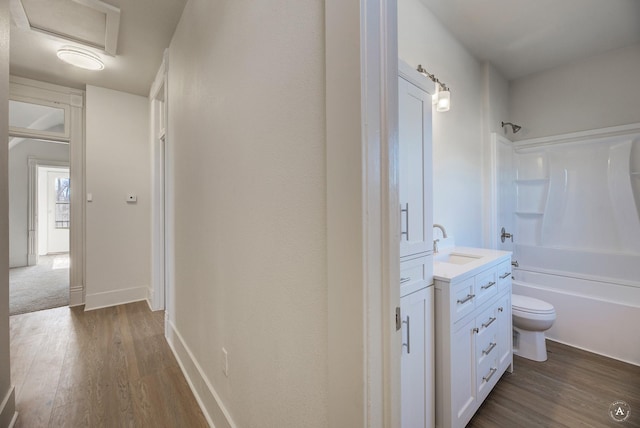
[576, 223]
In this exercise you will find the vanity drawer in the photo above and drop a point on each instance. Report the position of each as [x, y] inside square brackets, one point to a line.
[504, 275]
[487, 374]
[415, 274]
[486, 285]
[463, 297]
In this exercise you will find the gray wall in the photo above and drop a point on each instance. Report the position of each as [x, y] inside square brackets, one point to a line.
[19, 191]
[246, 122]
[6, 389]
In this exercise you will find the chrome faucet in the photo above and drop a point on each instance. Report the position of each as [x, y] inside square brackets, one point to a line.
[444, 235]
[441, 227]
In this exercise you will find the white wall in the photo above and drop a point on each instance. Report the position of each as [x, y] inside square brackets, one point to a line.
[596, 92]
[7, 398]
[118, 237]
[19, 191]
[246, 129]
[457, 134]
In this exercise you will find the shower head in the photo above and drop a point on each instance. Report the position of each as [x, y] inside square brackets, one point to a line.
[514, 128]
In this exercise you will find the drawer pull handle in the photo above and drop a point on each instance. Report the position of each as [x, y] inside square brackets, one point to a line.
[476, 330]
[488, 323]
[403, 280]
[506, 274]
[489, 349]
[500, 309]
[489, 285]
[405, 211]
[490, 375]
[408, 344]
[466, 299]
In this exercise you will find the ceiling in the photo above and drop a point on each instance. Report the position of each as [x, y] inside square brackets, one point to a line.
[139, 35]
[520, 37]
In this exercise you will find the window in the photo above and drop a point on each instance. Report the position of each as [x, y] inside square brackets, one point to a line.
[62, 203]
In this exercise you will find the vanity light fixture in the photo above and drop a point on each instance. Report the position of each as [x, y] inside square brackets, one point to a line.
[442, 97]
[80, 58]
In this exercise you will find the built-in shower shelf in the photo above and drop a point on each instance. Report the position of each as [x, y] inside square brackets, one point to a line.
[529, 213]
[532, 180]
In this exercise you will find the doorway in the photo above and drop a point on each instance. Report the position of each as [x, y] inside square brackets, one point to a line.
[39, 222]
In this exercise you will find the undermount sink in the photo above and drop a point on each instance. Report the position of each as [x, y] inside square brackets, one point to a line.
[456, 258]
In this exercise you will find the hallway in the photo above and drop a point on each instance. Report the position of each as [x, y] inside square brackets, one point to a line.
[110, 367]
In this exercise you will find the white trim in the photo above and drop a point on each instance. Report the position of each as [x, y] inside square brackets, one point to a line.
[206, 396]
[159, 141]
[7, 406]
[115, 297]
[604, 354]
[74, 100]
[362, 222]
[612, 131]
[76, 296]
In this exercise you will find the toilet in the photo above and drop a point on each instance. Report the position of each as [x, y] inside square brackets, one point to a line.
[531, 318]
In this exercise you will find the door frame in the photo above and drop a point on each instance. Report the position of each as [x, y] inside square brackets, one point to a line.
[72, 100]
[161, 196]
[32, 203]
[363, 241]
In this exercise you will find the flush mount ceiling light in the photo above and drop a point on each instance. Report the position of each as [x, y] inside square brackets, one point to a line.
[80, 58]
[442, 97]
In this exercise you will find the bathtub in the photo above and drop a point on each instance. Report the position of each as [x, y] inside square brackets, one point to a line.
[596, 297]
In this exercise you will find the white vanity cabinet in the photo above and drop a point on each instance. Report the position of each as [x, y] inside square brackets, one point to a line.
[416, 250]
[414, 167]
[417, 363]
[473, 335]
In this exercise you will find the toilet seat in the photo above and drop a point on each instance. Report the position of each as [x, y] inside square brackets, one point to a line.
[530, 305]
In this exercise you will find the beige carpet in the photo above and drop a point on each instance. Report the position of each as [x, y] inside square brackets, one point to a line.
[39, 287]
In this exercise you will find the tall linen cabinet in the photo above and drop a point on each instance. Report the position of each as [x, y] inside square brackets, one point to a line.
[416, 249]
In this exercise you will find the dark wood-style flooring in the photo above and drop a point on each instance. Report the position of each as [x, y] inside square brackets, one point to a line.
[105, 368]
[113, 368]
[573, 388]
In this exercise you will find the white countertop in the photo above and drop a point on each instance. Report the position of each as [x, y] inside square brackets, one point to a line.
[449, 271]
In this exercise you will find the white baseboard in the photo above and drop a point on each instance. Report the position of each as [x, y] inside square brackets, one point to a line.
[76, 297]
[208, 399]
[8, 414]
[115, 297]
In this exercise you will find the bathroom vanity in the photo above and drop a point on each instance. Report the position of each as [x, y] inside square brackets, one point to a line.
[473, 329]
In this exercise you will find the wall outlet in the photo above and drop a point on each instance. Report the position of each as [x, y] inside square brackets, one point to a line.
[225, 362]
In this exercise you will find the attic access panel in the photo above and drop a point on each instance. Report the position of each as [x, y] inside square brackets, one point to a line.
[92, 23]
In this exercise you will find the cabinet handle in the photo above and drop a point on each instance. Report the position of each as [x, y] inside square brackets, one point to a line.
[403, 280]
[476, 330]
[489, 285]
[408, 344]
[488, 323]
[406, 217]
[490, 375]
[489, 349]
[500, 309]
[506, 274]
[466, 299]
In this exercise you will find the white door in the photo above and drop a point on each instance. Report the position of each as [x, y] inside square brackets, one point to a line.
[58, 210]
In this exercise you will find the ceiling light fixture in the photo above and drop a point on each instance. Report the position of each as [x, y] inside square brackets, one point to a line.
[442, 97]
[80, 58]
